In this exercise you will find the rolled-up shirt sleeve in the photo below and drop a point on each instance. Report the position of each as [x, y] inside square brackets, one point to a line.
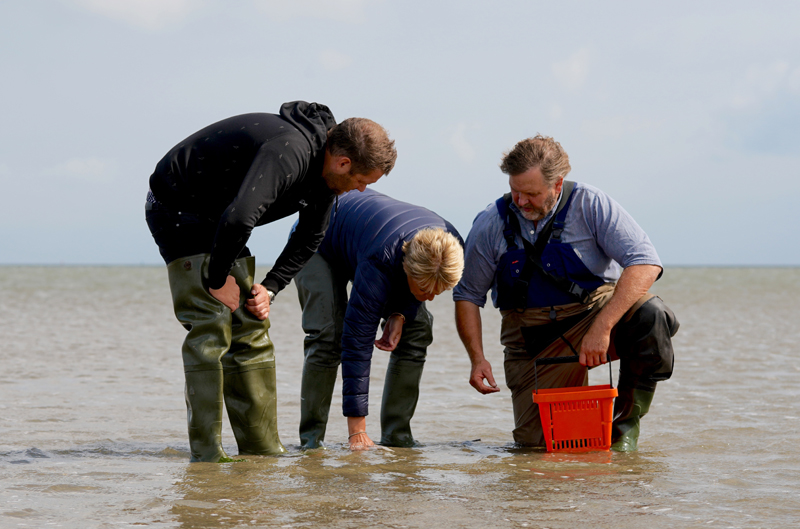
[482, 253]
[616, 232]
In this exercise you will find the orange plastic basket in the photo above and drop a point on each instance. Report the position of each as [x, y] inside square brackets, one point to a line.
[575, 419]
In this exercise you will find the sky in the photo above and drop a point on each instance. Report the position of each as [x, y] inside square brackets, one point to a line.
[686, 113]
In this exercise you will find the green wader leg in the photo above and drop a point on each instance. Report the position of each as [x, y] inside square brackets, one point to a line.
[401, 388]
[323, 298]
[315, 404]
[249, 376]
[208, 322]
[643, 342]
[629, 407]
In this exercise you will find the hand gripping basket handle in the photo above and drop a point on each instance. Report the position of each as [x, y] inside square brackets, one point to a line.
[561, 360]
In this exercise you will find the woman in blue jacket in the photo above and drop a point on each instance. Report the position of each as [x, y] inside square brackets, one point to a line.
[397, 256]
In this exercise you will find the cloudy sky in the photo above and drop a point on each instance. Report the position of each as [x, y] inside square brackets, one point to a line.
[687, 113]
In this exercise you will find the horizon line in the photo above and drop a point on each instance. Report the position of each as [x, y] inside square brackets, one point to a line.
[268, 265]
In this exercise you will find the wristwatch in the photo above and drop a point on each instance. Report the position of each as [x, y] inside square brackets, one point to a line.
[271, 295]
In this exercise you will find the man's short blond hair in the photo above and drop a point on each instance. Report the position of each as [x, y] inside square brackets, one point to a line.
[434, 259]
[542, 152]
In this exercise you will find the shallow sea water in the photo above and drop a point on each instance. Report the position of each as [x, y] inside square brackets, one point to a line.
[93, 431]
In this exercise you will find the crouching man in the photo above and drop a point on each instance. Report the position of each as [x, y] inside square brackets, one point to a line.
[397, 256]
[551, 252]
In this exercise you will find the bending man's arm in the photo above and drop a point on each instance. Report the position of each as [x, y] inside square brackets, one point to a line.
[468, 323]
[634, 283]
[261, 187]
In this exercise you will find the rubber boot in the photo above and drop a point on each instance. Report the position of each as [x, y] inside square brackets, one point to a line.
[249, 368]
[322, 293]
[207, 340]
[252, 409]
[629, 407]
[316, 392]
[400, 396]
[204, 415]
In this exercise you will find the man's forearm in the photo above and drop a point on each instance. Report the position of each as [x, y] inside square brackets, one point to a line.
[302, 244]
[469, 326]
[298, 250]
[634, 282]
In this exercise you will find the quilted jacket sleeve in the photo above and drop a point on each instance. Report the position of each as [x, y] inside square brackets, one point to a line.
[371, 287]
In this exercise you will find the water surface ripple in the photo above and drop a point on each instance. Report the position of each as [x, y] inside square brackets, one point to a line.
[93, 431]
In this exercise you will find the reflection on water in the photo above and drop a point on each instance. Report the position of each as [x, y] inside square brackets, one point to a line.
[453, 486]
[93, 432]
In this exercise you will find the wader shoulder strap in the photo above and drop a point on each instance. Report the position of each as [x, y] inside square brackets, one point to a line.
[556, 221]
[509, 230]
[555, 225]
[533, 252]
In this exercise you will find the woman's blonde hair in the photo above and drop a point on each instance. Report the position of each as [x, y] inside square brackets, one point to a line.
[434, 259]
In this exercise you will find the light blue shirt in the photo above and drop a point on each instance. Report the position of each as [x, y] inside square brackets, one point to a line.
[604, 236]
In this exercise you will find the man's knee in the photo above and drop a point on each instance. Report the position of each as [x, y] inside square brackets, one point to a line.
[644, 342]
[322, 346]
[656, 313]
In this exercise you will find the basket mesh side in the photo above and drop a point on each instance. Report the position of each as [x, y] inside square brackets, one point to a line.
[579, 425]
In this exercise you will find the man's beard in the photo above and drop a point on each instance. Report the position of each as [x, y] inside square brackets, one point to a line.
[533, 213]
[339, 182]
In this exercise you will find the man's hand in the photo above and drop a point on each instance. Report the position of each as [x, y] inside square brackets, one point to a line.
[468, 324]
[594, 347]
[228, 295]
[634, 282]
[358, 438]
[480, 372]
[259, 304]
[392, 332]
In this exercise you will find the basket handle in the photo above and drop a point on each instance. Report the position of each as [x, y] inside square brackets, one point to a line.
[562, 360]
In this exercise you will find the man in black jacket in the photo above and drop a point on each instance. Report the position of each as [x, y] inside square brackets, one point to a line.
[206, 195]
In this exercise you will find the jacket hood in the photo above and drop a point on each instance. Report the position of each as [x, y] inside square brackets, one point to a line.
[312, 119]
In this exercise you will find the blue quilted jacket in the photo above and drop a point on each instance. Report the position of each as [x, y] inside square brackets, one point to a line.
[365, 241]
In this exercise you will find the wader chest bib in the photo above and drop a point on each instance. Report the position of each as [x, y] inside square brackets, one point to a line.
[544, 274]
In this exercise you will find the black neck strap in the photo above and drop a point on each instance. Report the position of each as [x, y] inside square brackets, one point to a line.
[512, 222]
[533, 252]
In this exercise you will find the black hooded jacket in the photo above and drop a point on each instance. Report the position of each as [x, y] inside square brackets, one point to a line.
[251, 170]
